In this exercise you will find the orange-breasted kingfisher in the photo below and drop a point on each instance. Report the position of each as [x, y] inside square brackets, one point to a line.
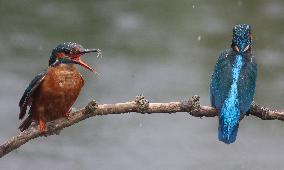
[51, 93]
[233, 83]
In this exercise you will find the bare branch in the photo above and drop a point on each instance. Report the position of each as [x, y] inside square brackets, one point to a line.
[139, 105]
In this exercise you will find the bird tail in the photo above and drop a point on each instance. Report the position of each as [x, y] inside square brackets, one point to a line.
[26, 123]
[228, 125]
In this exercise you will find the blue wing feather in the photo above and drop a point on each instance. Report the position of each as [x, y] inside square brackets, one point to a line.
[24, 102]
[246, 85]
[221, 80]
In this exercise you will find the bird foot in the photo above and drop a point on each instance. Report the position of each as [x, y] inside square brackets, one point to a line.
[42, 127]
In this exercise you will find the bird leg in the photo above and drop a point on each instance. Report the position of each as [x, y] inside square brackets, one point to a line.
[41, 123]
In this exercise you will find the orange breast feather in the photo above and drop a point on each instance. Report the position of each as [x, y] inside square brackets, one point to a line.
[57, 93]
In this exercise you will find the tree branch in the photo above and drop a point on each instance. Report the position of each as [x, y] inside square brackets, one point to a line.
[140, 105]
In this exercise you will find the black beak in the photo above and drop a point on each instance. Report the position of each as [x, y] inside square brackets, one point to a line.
[89, 51]
[78, 60]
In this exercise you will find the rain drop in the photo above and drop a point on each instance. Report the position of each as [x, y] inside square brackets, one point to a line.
[240, 3]
[199, 38]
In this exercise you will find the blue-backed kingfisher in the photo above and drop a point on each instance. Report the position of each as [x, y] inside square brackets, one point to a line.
[51, 93]
[233, 83]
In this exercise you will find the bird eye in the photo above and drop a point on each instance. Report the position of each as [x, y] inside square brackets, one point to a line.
[66, 51]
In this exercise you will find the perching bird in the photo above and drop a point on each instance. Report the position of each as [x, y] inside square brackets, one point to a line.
[233, 83]
[51, 93]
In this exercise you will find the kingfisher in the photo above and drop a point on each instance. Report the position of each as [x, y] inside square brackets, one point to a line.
[233, 82]
[51, 94]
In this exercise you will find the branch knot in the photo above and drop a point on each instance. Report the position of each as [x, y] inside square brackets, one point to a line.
[195, 105]
[142, 103]
[91, 107]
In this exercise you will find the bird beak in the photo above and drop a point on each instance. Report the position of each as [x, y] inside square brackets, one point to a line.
[237, 49]
[77, 58]
[242, 50]
[85, 51]
[247, 47]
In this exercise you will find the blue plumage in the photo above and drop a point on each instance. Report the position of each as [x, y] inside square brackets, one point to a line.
[233, 83]
[27, 96]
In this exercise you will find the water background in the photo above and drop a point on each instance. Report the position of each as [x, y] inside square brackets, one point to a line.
[163, 49]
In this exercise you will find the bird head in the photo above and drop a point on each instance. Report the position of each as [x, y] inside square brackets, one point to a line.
[70, 52]
[242, 38]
